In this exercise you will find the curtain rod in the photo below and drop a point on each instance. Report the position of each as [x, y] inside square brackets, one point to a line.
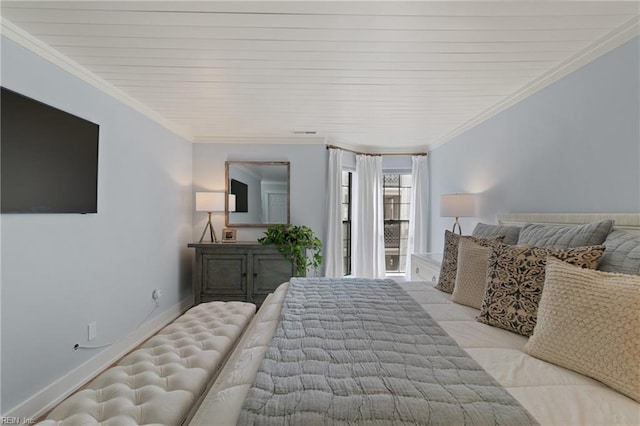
[375, 155]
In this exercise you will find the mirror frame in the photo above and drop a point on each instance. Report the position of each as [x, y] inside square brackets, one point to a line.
[227, 189]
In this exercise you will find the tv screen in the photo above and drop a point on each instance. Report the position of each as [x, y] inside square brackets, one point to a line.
[49, 158]
[241, 191]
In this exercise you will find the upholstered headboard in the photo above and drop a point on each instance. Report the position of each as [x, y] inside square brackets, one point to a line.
[623, 221]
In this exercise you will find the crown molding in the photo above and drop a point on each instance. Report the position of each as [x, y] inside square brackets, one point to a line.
[271, 140]
[307, 140]
[29, 42]
[607, 43]
[610, 41]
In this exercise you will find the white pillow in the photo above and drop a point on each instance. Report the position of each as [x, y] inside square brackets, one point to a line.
[471, 276]
[589, 322]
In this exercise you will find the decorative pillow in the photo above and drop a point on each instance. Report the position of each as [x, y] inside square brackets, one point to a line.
[447, 279]
[622, 253]
[471, 276]
[511, 233]
[589, 322]
[591, 234]
[515, 278]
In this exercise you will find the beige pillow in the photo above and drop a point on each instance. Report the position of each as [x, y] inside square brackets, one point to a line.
[589, 322]
[515, 278]
[447, 278]
[471, 277]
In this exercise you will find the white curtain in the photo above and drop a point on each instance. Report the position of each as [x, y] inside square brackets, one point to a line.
[368, 223]
[333, 238]
[418, 209]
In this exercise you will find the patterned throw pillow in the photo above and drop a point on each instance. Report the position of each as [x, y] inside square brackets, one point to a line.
[515, 278]
[447, 279]
[589, 322]
[471, 277]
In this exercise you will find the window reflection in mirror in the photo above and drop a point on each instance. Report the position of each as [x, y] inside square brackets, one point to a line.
[261, 192]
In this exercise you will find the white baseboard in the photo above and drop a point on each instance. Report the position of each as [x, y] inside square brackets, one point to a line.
[57, 391]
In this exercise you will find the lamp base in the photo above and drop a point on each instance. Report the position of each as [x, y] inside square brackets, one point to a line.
[457, 223]
[212, 232]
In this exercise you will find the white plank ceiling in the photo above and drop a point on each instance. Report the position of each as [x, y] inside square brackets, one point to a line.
[382, 75]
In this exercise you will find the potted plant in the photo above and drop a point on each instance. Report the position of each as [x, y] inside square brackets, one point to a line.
[293, 242]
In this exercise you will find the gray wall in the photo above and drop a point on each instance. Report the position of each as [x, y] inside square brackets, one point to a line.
[308, 181]
[60, 272]
[573, 147]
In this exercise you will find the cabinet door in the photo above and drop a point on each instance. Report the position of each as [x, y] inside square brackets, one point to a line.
[269, 271]
[224, 274]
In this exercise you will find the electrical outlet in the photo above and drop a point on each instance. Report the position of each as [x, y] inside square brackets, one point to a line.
[157, 294]
[92, 332]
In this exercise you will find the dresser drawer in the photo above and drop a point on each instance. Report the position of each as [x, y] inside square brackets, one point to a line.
[425, 267]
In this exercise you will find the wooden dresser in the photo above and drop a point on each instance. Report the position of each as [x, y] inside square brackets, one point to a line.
[243, 271]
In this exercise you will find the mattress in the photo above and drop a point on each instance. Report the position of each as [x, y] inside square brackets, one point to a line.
[552, 394]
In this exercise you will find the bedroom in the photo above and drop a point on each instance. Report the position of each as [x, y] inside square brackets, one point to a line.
[562, 149]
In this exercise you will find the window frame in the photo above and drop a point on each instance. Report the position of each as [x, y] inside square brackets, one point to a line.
[399, 222]
[347, 240]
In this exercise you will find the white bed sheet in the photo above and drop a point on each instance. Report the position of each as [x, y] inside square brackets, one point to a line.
[552, 394]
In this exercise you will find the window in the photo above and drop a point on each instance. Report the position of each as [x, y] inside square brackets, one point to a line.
[346, 221]
[397, 199]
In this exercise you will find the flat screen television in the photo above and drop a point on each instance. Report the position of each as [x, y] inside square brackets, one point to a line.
[49, 158]
[241, 191]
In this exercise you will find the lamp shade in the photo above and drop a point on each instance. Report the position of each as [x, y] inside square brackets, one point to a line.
[457, 205]
[232, 202]
[210, 201]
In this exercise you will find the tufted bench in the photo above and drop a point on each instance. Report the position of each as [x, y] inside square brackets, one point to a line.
[160, 382]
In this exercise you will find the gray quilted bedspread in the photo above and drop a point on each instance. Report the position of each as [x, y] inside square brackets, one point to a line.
[359, 351]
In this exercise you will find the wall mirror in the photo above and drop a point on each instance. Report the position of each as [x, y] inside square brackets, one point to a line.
[261, 191]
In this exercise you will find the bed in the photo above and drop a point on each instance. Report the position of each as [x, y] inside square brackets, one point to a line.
[550, 394]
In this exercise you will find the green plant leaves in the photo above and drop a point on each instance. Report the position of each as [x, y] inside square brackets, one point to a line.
[293, 242]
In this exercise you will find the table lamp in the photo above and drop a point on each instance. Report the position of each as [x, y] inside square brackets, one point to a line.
[457, 205]
[210, 202]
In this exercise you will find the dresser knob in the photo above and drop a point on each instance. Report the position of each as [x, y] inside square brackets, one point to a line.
[417, 270]
[433, 278]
